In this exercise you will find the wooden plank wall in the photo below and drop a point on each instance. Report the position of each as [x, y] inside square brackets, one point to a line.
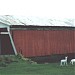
[44, 42]
[5, 43]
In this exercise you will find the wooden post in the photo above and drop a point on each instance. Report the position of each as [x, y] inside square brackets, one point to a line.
[12, 41]
[12, 44]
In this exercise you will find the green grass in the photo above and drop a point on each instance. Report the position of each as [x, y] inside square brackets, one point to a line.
[23, 68]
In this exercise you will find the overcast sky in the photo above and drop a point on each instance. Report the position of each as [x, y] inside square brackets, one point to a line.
[40, 8]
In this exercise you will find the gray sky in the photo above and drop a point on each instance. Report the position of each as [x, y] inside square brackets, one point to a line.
[40, 8]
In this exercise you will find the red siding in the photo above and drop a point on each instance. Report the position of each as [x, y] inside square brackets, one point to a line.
[44, 42]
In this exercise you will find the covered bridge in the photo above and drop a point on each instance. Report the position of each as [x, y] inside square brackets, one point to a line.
[33, 39]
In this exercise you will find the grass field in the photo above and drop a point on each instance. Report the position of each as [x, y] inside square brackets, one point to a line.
[25, 68]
